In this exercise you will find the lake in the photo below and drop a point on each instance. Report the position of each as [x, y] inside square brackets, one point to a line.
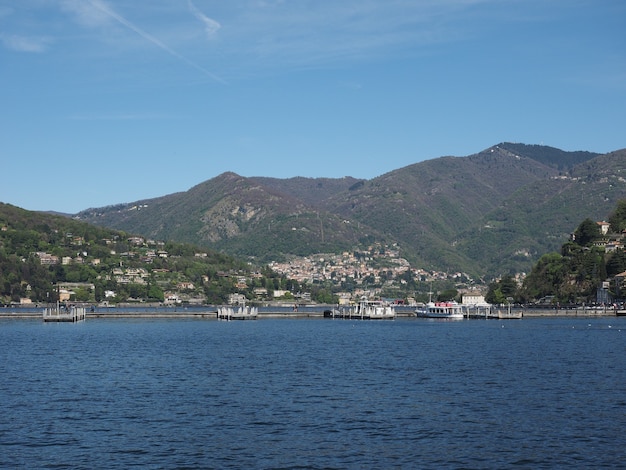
[313, 393]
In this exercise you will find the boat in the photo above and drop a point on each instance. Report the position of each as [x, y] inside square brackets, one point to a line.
[240, 313]
[451, 310]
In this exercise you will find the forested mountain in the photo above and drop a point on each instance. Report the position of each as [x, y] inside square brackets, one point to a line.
[536, 218]
[429, 205]
[490, 213]
[311, 191]
[236, 215]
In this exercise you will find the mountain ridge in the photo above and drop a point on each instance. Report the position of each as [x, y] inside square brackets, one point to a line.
[476, 213]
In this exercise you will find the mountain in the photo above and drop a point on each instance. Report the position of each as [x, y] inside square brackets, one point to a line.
[428, 204]
[493, 212]
[538, 217]
[237, 215]
[311, 191]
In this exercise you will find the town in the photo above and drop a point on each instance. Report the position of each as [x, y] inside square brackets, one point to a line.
[134, 269]
[375, 272]
[143, 272]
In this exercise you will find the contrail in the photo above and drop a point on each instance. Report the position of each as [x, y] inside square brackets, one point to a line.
[153, 40]
[211, 26]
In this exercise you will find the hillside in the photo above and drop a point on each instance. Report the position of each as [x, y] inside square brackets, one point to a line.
[489, 213]
[312, 191]
[538, 217]
[589, 268]
[44, 257]
[427, 205]
[236, 215]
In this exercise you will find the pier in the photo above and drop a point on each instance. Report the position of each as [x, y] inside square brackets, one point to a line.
[490, 312]
[210, 312]
[64, 314]
[365, 310]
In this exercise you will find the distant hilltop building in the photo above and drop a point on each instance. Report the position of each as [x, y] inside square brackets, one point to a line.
[604, 227]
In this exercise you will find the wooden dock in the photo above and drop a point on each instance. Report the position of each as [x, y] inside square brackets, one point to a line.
[64, 314]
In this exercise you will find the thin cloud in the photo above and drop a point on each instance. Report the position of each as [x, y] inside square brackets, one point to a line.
[100, 12]
[25, 43]
[121, 117]
[85, 13]
[210, 26]
[274, 33]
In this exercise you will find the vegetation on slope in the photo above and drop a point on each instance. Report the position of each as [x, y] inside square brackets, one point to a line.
[586, 262]
[39, 252]
[563, 161]
[537, 217]
[487, 214]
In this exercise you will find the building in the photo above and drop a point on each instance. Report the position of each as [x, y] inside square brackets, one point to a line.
[604, 227]
[236, 299]
[473, 299]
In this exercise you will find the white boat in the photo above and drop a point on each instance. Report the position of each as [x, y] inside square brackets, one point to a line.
[440, 310]
[241, 313]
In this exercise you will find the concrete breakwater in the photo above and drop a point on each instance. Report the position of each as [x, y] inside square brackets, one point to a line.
[573, 312]
[312, 311]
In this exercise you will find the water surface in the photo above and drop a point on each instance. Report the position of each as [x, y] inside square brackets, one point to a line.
[313, 393]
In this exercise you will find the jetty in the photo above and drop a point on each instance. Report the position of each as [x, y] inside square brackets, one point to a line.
[365, 310]
[507, 314]
[70, 314]
[242, 313]
[491, 312]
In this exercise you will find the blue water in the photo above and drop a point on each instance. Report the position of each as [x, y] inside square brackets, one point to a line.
[289, 393]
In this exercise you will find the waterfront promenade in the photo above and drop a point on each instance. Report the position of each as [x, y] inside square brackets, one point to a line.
[308, 311]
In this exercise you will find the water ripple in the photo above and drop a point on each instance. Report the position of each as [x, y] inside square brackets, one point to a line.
[313, 394]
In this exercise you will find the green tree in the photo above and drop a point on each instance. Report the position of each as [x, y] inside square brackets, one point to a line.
[447, 294]
[618, 218]
[495, 295]
[508, 286]
[587, 232]
[501, 291]
[83, 295]
[544, 278]
[155, 293]
[325, 296]
[616, 263]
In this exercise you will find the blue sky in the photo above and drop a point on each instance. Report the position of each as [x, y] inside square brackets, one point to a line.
[109, 101]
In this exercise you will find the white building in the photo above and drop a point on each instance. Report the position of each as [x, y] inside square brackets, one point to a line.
[473, 299]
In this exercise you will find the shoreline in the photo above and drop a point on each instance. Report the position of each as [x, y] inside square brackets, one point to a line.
[212, 314]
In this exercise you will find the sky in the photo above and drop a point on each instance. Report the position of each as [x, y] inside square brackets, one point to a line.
[112, 101]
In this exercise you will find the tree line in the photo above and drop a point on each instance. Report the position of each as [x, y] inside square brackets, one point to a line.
[93, 253]
[573, 275]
